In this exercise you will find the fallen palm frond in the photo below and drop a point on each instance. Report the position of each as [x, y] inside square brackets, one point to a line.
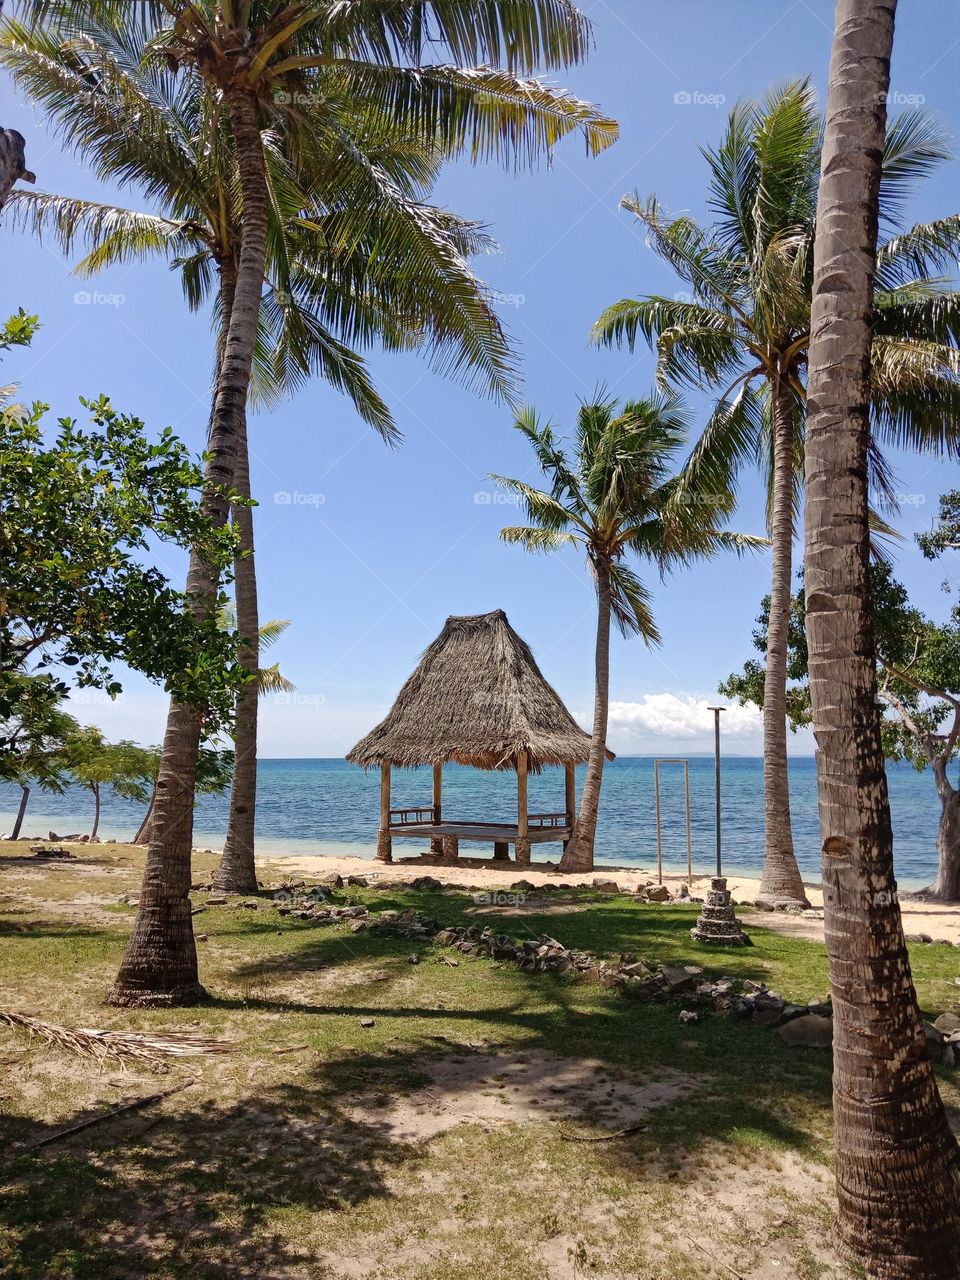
[144, 1046]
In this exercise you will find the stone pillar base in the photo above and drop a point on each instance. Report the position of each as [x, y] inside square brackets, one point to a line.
[501, 851]
[523, 853]
[451, 848]
[718, 923]
[436, 845]
[384, 847]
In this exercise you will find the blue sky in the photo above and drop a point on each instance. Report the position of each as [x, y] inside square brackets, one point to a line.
[367, 549]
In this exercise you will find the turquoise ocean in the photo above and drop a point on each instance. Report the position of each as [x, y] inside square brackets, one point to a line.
[330, 807]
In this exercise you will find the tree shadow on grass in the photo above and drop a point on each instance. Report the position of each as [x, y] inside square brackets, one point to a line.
[201, 1192]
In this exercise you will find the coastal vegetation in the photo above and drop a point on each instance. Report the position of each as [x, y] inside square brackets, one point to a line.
[286, 155]
[618, 494]
[743, 331]
[919, 677]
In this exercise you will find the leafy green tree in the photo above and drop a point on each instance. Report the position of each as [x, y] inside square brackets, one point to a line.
[743, 331]
[95, 763]
[78, 591]
[617, 496]
[919, 683]
[33, 741]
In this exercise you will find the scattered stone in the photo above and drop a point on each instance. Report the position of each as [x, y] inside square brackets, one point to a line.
[807, 1031]
[522, 886]
[689, 1015]
[426, 883]
[413, 958]
[947, 1023]
[935, 1044]
[680, 978]
[366, 1022]
[216, 900]
[334, 878]
[359, 882]
[658, 893]
[606, 886]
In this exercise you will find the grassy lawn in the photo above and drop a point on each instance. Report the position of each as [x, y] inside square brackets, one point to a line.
[296, 1163]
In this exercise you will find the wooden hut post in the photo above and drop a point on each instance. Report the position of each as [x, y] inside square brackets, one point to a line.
[436, 844]
[523, 842]
[570, 797]
[384, 843]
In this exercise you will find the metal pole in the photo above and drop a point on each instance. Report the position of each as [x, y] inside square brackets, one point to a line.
[686, 788]
[716, 755]
[656, 787]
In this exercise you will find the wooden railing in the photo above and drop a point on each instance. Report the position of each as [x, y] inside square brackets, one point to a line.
[541, 821]
[411, 817]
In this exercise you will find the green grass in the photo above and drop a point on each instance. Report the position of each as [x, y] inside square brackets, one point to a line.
[262, 1168]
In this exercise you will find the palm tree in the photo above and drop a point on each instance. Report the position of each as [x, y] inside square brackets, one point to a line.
[277, 62]
[744, 332]
[897, 1165]
[618, 495]
[421, 295]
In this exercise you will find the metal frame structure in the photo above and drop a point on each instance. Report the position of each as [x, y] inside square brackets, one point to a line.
[686, 788]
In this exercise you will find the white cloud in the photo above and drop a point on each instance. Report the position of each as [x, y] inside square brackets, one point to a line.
[681, 717]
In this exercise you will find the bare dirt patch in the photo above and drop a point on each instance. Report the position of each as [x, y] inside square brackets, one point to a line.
[494, 1089]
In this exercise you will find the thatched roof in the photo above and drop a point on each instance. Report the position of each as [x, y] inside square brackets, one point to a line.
[478, 698]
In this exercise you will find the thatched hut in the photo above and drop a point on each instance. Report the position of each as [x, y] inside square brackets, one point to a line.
[477, 698]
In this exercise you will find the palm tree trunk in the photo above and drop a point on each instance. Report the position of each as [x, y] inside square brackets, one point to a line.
[946, 887]
[24, 797]
[160, 963]
[96, 810]
[143, 831]
[578, 855]
[781, 876]
[236, 872]
[12, 163]
[897, 1167]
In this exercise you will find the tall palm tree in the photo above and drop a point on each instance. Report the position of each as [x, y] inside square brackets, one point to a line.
[897, 1165]
[421, 295]
[744, 333]
[617, 496]
[272, 61]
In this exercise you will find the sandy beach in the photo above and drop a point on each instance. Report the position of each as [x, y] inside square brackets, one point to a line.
[938, 922]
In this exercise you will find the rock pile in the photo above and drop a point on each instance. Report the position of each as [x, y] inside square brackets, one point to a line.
[718, 923]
